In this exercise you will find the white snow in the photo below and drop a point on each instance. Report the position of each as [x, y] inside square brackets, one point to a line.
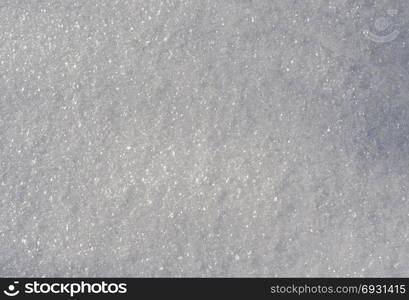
[204, 138]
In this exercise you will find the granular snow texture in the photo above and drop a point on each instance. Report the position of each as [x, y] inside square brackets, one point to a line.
[204, 138]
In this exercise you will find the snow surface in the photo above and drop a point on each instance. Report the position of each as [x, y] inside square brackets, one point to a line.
[204, 138]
